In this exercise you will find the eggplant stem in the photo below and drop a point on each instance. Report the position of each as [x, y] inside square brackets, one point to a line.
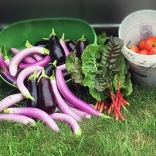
[28, 44]
[4, 52]
[63, 35]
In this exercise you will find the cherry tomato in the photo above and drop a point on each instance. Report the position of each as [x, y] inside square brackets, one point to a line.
[144, 52]
[141, 44]
[134, 48]
[150, 42]
[153, 51]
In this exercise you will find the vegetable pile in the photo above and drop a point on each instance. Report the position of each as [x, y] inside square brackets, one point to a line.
[40, 72]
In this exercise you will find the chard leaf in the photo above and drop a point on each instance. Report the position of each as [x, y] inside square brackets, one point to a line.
[101, 38]
[99, 96]
[89, 66]
[125, 81]
[73, 66]
[90, 58]
[108, 67]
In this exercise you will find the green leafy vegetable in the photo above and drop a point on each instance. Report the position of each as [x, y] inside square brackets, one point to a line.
[73, 65]
[101, 38]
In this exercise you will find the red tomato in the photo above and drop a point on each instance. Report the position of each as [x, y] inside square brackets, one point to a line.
[141, 44]
[150, 42]
[144, 52]
[153, 51]
[134, 48]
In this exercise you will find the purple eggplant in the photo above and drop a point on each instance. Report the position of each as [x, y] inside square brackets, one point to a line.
[80, 46]
[66, 75]
[71, 45]
[49, 69]
[4, 72]
[56, 50]
[32, 88]
[42, 43]
[46, 97]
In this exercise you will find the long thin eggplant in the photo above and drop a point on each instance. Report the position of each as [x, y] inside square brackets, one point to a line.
[56, 50]
[32, 87]
[81, 45]
[4, 72]
[46, 98]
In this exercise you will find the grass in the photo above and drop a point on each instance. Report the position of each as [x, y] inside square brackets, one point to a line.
[133, 137]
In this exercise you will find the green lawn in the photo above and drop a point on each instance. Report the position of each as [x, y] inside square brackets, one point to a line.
[100, 137]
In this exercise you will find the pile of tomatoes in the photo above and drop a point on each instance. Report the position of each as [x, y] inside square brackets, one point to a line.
[146, 46]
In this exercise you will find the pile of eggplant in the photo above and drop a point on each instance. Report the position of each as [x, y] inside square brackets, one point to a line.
[40, 74]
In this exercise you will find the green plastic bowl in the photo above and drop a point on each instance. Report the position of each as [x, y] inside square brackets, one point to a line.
[16, 34]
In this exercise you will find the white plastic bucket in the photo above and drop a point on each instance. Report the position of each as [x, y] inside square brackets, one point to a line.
[136, 26]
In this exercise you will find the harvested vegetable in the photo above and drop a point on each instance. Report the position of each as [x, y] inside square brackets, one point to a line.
[16, 118]
[35, 113]
[46, 96]
[10, 100]
[68, 119]
[5, 72]
[13, 67]
[63, 44]
[27, 59]
[80, 46]
[32, 88]
[56, 49]
[63, 106]
[43, 62]
[22, 76]
[71, 45]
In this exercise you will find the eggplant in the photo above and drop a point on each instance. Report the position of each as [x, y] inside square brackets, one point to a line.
[46, 97]
[66, 75]
[80, 46]
[42, 43]
[49, 69]
[32, 87]
[8, 77]
[4, 72]
[56, 50]
[71, 45]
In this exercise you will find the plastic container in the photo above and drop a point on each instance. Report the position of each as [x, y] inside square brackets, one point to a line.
[136, 26]
[16, 34]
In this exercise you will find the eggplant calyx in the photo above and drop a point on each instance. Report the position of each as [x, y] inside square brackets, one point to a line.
[33, 76]
[52, 33]
[52, 77]
[82, 38]
[28, 44]
[55, 63]
[43, 75]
